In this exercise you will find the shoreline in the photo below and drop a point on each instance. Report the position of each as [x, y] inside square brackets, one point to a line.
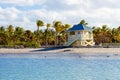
[83, 53]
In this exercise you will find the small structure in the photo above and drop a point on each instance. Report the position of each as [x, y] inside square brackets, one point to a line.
[80, 35]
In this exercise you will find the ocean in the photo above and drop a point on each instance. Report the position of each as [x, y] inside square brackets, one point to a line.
[59, 69]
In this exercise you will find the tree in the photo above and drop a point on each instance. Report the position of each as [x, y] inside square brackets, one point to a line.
[63, 33]
[2, 29]
[67, 26]
[115, 35]
[105, 34]
[102, 35]
[28, 35]
[18, 34]
[10, 30]
[58, 26]
[96, 34]
[83, 22]
[39, 24]
[60, 32]
[46, 33]
[10, 33]
[3, 36]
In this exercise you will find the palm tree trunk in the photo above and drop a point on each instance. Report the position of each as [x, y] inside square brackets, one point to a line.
[46, 40]
[38, 36]
[56, 40]
[46, 43]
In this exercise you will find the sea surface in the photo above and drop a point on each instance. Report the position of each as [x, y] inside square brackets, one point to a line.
[59, 69]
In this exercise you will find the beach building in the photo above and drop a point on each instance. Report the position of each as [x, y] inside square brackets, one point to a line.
[80, 35]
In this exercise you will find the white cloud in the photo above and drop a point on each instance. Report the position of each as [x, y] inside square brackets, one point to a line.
[16, 2]
[26, 20]
[22, 2]
[78, 3]
[44, 15]
[72, 2]
[15, 17]
[95, 12]
[9, 13]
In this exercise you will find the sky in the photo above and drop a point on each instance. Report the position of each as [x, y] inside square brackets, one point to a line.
[25, 13]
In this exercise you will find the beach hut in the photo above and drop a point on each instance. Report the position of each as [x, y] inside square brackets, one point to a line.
[80, 35]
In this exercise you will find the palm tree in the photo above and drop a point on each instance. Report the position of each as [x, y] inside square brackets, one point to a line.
[60, 32]
[3, 36]
[57, 25]
[83, 22]
[2, 29]
[10, 33]
[28, 35]
[115, 35]
[10, 30]
[104, 33]
[63, 34]
[46, 33]
[97, 35]
[39, 24]
[18, 34]
[51, 37]
[66, 27]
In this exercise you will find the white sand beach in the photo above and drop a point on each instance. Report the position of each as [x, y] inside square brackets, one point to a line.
[62, 50]
[113, 53]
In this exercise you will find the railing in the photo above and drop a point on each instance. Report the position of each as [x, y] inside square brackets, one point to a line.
[87, 37]
[74, 38]
[91, 43]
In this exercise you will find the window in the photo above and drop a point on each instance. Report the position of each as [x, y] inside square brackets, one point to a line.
[72, 33]
[90, 32]
[78, 32]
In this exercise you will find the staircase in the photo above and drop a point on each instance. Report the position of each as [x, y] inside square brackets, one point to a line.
[72, 40]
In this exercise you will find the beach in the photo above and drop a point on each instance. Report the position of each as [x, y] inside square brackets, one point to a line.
[60, 63]
[88, 53]
[60, 50]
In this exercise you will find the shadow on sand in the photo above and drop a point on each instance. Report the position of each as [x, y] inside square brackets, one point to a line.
[48, 49]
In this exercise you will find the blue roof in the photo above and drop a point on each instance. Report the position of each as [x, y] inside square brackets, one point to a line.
[80, 27]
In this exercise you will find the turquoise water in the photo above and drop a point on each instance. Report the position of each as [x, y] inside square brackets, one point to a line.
[59, 69]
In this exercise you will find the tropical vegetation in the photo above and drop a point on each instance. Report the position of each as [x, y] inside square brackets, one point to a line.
[52, 36]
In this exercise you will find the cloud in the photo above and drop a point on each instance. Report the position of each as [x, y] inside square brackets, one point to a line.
[22, 2]
[95, 12]
[13, 16]
[77, 2]
[9, 13]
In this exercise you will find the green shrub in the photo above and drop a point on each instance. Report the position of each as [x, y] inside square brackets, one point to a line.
[34, 45]
[29, 44]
